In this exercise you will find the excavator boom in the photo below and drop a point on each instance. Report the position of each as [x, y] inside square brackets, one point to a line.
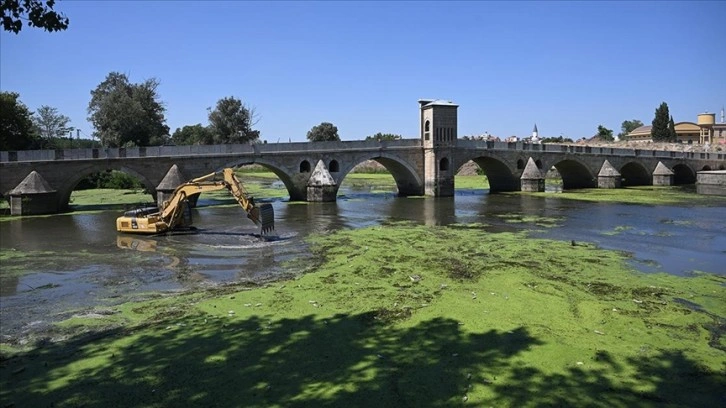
[175, 212]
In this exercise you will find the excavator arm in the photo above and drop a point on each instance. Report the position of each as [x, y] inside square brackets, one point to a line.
[171, 214]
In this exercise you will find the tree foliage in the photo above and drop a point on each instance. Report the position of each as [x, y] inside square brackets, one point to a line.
[16, 125]
[672, 136]
[109, 179]
[659, 131]
[37, 13]
[193, 134]
[50, 124]
[558, 139]
[125, 114]
[231, 121]
[605, 133]
[324, 132]
[384, 136]
[628, 126]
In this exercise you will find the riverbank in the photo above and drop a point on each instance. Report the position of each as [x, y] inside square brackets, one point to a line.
[400, 315]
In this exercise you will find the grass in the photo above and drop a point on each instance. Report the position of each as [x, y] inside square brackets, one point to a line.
[106, 196]
[400, 315]
[255, 180]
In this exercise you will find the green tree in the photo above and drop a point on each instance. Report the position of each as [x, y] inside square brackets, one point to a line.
[126, 114]
[628, 126]
[324, 132]
[672, 136]
[193, 134]
[50, 125]
[16, 125]
[231, 121]
[37, 13]
[558, 139]
[384, 136]
[604, 133]
[659, 131]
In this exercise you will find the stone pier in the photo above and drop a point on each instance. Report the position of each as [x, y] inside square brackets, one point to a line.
[532, 179]
[321, 185]
[609, 177]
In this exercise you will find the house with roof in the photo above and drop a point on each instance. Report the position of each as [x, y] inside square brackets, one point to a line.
[704, 130]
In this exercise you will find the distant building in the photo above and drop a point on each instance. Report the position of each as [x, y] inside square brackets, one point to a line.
[705, 130]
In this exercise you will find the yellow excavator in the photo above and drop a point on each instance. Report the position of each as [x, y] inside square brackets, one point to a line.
[175, 213]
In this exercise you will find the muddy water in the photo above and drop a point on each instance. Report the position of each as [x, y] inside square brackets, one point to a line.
[73, 262]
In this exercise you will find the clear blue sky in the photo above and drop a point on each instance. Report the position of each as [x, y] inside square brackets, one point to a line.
[567, 66]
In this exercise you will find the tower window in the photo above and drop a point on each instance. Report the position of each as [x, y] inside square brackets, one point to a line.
[333, 167]
[305, 166]
[444, 164]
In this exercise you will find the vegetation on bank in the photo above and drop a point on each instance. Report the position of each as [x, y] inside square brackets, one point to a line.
[646, 195]
[401, 315]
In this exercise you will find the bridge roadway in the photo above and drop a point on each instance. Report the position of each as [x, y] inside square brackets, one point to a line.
[293, 163]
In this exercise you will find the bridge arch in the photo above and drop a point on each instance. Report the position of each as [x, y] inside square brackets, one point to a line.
[408, 181]
[289, 180]
[498, 172]
[683, 174]
[66, 189]
[575, 174]
[635, 174]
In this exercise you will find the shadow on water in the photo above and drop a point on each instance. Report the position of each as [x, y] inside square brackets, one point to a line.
[345, 360]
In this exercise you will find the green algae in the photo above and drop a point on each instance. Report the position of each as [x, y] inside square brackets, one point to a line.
[647, 195]
[547, 222]
[17, 263]
[403, 315]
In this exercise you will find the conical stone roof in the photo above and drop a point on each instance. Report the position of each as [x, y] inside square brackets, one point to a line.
[321, 177]
[607, 170]
[172, 180]
[34, 183]
[662, 170]
[531, 172]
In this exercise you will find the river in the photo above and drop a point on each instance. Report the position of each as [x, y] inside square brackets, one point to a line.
[76, 261]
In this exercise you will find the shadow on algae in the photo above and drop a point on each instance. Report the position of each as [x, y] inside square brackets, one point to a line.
[343, 361]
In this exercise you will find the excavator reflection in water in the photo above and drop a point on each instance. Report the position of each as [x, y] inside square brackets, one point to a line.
[176, 213]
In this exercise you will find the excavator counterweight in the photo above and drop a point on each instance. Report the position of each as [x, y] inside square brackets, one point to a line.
[175, 213]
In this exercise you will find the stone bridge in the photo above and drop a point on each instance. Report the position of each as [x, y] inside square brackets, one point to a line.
[42, 181]
[294, 163]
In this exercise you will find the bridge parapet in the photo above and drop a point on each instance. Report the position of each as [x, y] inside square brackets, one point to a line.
[200, 150]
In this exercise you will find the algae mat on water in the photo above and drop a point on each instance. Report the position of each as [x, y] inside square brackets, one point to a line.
[404, 315]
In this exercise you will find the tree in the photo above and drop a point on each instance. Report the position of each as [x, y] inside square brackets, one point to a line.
[672, 136]
[659, 131]
[50, 124]
[37, 13]
[628, 126]
[384, 136]
[558, 139]
[194, 134]
[126, 114]
[16, 126]
[604, 133]
[231, 121]
[324, 132]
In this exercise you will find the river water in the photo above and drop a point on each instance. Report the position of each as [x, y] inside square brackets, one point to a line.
[78, 261]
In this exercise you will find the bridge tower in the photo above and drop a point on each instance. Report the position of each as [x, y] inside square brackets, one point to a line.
[438, 136]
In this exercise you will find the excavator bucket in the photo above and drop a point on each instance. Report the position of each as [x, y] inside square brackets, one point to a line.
[264, 216]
